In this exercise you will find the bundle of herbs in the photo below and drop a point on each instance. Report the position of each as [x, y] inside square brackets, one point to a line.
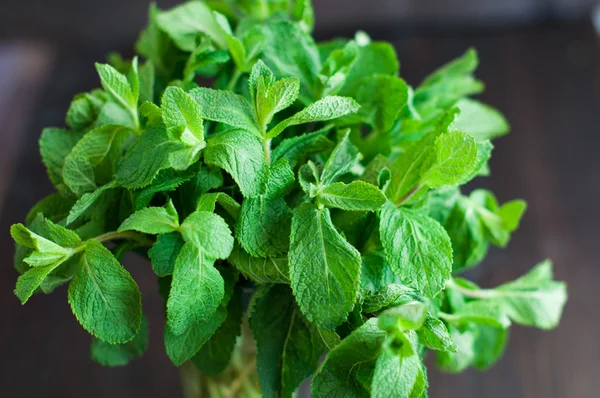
[295, 199]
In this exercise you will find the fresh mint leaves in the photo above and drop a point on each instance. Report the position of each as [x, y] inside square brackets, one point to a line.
[295, 200]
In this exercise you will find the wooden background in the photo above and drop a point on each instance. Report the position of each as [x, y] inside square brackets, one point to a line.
[545, 78]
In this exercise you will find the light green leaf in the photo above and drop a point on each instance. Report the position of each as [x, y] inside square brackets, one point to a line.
[348, 368]
[482, 312]
[243, 157]
[104, 297]
[121, 354]
[435, 336]
[182, 116]
[409, 316]
[356, 196]
[399, 376]
[324, 267]
[151, 220]
[390, 295]
[479, 120]
[374, 58]
[341, 161]
[31, 280]
[101, 146]
[454, 161]
[118, 87]
[209, 233]
[226, 107]
[296, 149]
[185, 22]
[381, 98]
[196, 292]
[534, 299]
[417, 248]
[328, 108]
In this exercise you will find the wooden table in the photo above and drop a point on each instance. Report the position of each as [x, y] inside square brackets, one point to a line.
[547, 81]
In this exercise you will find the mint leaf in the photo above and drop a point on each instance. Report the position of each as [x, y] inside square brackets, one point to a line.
[209, 233]
[390, 295]
[399, 375]
[417, 248]
[152, 220]
[164, 252]
[104, 297]
[328, 108]
[182, 116]
[356, 196]
[348, 369]
[226, 107]
[153, 151]
[289, 347]
[324, 267]
[376, 58]
[242, 156]
[341, 161]
[292, 52]
[55, 145]
[479, 120]
[295, 150]
[435, 335]
[455, 159]
[196, 292]
[258, 269]
[263, 228]
[121, 354]
[534, 299]
[185, 22]
[215, 354]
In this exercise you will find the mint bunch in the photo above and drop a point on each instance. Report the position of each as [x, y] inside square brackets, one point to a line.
[309, 176]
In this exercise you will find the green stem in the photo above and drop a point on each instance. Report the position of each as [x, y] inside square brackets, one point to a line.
[409, 194]
[234, 79]
[476, 294]
[267, 148]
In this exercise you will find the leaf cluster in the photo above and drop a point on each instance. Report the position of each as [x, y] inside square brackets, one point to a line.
[242, 156]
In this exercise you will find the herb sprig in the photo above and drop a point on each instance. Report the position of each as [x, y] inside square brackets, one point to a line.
[309, 174]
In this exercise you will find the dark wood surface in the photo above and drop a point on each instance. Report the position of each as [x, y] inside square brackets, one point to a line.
[545, 79]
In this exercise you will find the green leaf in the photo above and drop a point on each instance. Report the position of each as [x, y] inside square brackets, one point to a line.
[348, 368]
[55, 145]
[377, 58]
[121, 354]
[215, 354]
[328, 108]
[456, 362]
[243, 157]
[289, 347]
[152, 220]
[46, 252]
[409, 316]
[258, 269]
[196, 292]
[381, 98]
[96, 148]
[356, 196]
[534, 299]
[482, 312]
[296, 149]
[479, 120]
[186, 22]
[85, 109]
[164, 252]
[324, 267]
[390, 295]
[398, 375]
[208, 202]
[454, 162]
[209, 233]
[435, 335]
[263, 228]
[104, 297]
[417, 248]
[292, 52]
[341, 161]
[154, 151]
[182, 116]
[118, 87]
[226, 107]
